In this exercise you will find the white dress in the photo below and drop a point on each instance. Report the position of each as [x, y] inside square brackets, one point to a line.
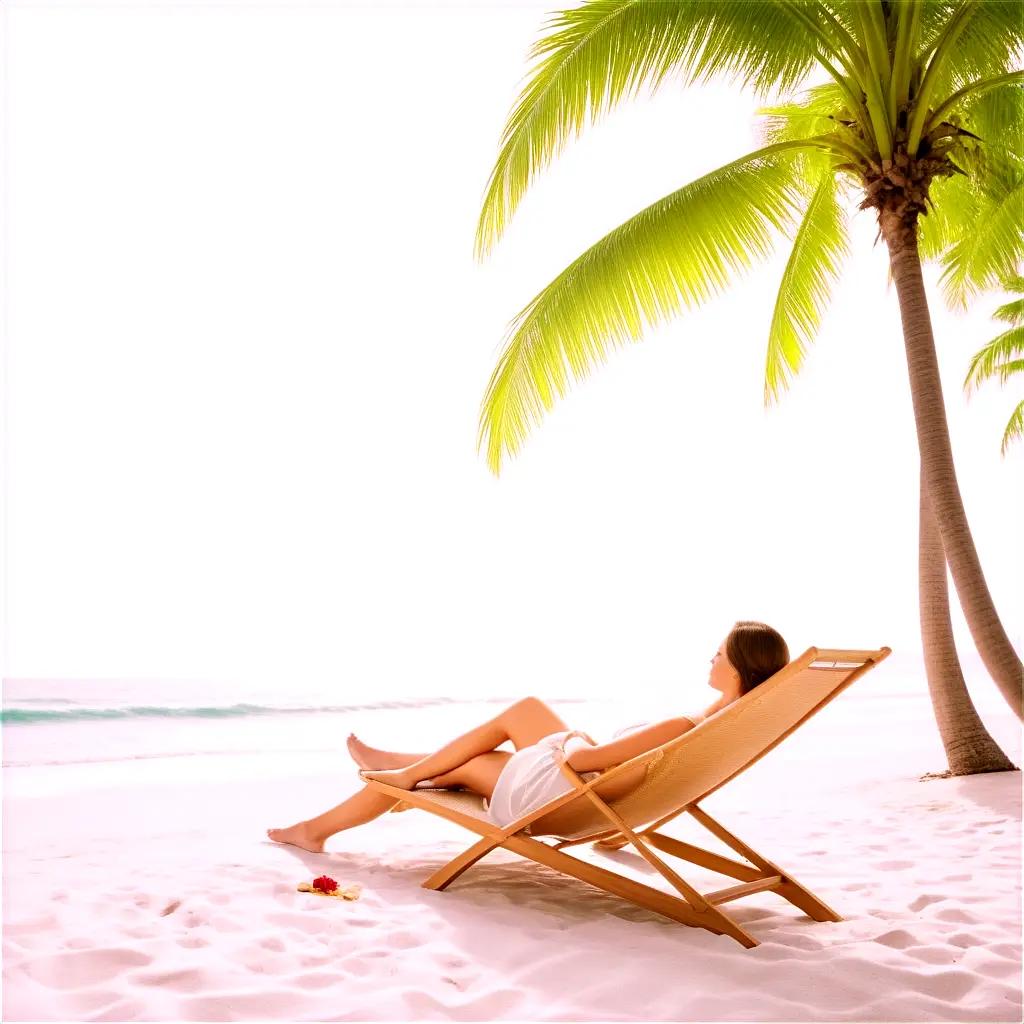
[532, 776]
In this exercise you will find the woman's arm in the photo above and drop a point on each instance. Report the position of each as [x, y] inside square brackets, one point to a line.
[607, 755]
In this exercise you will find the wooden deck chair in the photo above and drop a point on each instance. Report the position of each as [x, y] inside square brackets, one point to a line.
[681, 773]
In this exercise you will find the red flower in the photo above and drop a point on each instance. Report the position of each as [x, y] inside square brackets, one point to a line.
[325, 884]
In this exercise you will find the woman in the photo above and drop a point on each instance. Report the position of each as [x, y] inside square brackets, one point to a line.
[516, 783]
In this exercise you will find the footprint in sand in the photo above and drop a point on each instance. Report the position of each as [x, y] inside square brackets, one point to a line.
[897, 939]
[45, 922]
[315, 979]
[404, 940]
[314, 961]
[355, 965]
[957, 915]
[188, 979]
[925, 901]
[933, 955]
[999, 969]
[194, 918]
[949, 986]
[1006, 949]
[83, 967]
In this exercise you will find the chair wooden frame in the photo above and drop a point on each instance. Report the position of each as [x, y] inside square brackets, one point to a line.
[689, 907]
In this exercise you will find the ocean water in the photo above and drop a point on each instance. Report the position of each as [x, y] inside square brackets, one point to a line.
[73, 733]
[61, 734]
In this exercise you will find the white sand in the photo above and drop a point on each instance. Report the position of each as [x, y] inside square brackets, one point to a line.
[163, 900]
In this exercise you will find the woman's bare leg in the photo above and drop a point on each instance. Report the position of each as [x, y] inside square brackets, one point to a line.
[372, 757]
[364, 806]
[479, 774]
[524, 723]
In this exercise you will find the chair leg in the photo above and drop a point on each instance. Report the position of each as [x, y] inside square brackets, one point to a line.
[806, 901]
[443, 877]
[790, 889]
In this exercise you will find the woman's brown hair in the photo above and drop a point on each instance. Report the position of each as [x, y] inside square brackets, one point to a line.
[756, 651]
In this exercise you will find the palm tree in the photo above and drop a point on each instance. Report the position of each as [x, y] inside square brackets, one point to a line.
[1003, 356]
[918, 110]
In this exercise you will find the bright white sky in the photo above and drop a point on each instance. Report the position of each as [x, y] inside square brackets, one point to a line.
[247, 342]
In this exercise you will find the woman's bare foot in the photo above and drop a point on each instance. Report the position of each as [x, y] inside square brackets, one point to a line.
[297, 835]
[397, 777]
[370, 757]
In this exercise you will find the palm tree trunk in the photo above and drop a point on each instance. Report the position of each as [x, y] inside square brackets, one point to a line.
[970, 750]
[937, 463]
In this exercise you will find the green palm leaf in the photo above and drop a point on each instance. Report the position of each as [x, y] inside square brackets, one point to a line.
[1006, 370]
[1003, 356]
[818, 111]
[1014, 428]
[675, 253]
[813, 267]
[989, 43]
[995, 163]
[989, 252]
[999, 358]
[1012, 312]
[961, 205]
[606, 50]
[953, 210]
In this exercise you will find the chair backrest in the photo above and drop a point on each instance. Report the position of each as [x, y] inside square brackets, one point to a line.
[694, 765]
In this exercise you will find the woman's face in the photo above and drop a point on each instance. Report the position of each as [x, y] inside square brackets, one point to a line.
[723, 676]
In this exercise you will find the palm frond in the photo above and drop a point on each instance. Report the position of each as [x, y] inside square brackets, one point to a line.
[996, 359]
[676, 253]
[951, 106]
[813, 267]
[1014, 428]
[991, 251]
[603, 51]
[1004, 371]
[814, 112]
[989, 44]
[964, 208]
[819, 110]
[997, 117]
[952, 213]
[1012, 312]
